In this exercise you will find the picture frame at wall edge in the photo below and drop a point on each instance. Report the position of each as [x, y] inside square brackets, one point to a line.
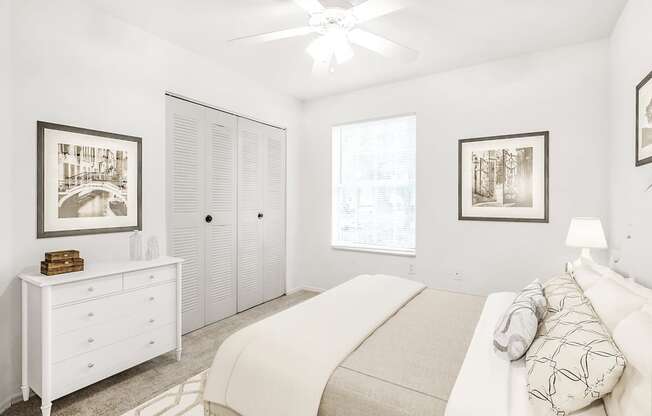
[107, 178]
[646, 82]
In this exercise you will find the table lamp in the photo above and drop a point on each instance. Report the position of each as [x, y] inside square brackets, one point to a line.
[586, 233]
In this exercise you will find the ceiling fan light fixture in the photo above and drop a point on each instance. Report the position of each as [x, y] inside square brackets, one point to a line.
[320, 49]
[334, 43]
[343, 51]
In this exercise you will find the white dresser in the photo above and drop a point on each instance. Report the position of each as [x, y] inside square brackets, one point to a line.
[79, 328]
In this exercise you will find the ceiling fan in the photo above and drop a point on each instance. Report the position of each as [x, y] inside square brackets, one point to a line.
[337, 28]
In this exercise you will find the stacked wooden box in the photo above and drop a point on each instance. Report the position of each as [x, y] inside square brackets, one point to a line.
[58, 262]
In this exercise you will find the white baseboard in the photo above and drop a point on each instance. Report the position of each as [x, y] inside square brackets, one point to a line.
[306, 288]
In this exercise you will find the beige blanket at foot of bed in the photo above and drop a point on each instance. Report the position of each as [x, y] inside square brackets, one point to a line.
[279, 366]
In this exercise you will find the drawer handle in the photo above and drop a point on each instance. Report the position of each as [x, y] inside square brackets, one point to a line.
[151, 299]
[91, 314]
[91, 365]
[151, 321]
[90, 289]
[151, 277]
[151, 343]
[91, 340]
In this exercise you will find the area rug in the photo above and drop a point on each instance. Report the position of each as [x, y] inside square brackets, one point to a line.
[184, 399]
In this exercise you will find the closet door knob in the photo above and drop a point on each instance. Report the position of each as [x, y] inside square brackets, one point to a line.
[91, 365]
[260, 215]
[209, 218]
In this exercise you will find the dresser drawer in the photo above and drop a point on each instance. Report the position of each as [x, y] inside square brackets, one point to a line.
[140, 311]
[150, 276]
[98, 336]
[82, 370]
[73, 292]
[98, 311]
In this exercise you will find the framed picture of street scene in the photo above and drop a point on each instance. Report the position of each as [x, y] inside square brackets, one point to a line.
[504, 178]
[88, 182]
[644, 121]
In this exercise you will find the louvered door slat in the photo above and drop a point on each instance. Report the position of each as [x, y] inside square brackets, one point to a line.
[184, 134]
[274, 207]
[221, 278]
[186, 244]
[250, 204]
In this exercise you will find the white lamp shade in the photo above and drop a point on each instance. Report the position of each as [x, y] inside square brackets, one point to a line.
[586, 233]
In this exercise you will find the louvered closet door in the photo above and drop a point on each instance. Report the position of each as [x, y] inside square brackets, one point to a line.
[220, 238]
[185, 132]
[250, 205]
[274, 214]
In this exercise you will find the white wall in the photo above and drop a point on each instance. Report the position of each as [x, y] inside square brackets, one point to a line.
[8, 301]
[74, 65]
[630, 206]
[563, 91]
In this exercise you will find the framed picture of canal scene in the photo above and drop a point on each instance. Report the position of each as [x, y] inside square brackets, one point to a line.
[504, 178]
[88, 181]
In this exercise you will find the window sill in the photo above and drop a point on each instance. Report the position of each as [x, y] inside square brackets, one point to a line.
[403, 253]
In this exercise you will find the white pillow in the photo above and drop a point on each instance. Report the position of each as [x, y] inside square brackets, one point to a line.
[639, 289]
[586, 276]
[633, 393]
[613, 301]
[588, 273]
[633, 335]
[647, 308]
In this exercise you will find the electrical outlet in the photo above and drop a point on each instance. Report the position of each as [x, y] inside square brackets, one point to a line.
[412, 269]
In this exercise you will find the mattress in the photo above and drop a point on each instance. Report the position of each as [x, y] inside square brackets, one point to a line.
[408, 366]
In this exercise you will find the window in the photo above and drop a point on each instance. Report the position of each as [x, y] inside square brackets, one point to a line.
[374, 185]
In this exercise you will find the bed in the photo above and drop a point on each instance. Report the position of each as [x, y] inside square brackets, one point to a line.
[431, 355]
[407, 366]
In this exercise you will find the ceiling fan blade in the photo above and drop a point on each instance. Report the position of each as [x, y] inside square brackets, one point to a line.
[311, 6]
[271, 36]
[381, 45]
[372, 9]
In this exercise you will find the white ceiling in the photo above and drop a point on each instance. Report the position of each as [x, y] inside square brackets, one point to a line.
[448, 33]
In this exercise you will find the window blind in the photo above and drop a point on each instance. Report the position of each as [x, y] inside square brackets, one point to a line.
[374, 185]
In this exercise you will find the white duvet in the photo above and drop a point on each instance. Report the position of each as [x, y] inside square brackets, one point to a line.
[280, 366]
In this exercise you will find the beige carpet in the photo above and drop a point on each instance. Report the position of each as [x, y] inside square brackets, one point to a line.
[126, 391]
[184, 399]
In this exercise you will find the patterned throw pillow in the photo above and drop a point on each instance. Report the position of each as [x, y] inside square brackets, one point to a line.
[573, 360]
[534, 292]
[518, 326]
[562, 291]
